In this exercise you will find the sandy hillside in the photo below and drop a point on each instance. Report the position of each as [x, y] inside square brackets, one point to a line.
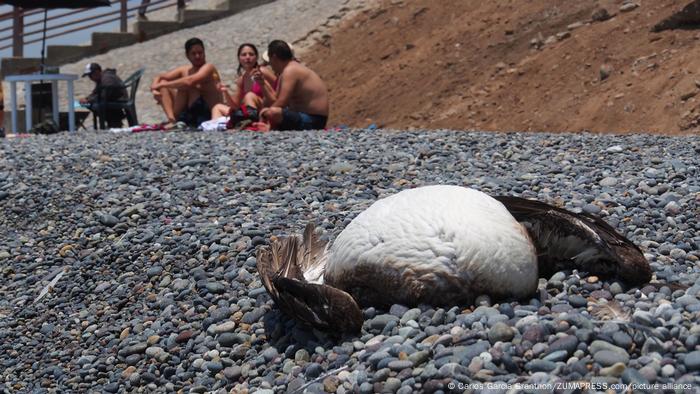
[513, 65]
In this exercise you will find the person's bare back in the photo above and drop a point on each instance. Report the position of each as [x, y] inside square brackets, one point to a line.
[308, 92]
[302, 96]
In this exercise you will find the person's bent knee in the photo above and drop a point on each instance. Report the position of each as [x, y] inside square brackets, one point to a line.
[252, 100]
[167, 92]
[219, 110]
[274, 114]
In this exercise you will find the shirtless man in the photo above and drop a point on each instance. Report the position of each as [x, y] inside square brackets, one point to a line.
[302, 97]
[187, 93]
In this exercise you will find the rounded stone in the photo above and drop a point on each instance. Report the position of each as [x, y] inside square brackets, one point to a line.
[607, 358]
[500, 332]
[692, 361]
[232, 373]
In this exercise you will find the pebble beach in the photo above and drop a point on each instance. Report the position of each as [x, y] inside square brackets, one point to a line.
[127, 264]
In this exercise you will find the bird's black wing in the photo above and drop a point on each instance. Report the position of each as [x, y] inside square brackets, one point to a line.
[568, 240]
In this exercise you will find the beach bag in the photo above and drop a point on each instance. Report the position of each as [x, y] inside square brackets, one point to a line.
[48, 126]
[244, 114]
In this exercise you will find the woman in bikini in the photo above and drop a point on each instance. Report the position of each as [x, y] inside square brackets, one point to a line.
[254, 87]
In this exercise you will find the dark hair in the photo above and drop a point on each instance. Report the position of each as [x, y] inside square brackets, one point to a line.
[280, 49]
[192, 42]
[238, 54]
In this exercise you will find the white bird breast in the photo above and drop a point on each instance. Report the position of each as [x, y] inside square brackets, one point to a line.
[441, 228]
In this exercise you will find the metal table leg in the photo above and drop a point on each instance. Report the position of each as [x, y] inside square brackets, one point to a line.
[54, 102]
[13, 103]
[71, 107]
[28, 105]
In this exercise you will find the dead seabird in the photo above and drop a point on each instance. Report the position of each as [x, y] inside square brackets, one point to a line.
[438, 245]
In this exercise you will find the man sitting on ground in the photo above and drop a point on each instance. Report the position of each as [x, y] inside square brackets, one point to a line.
[108, 87]
[187, 93]
[302, 97]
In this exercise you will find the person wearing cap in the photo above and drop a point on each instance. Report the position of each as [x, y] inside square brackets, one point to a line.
[108, 87]
[302, 97]
[188, 93]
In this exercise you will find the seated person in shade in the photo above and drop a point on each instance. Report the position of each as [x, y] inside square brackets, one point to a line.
[302, 96]
[253, 89]
[188, 93]
[108, 87]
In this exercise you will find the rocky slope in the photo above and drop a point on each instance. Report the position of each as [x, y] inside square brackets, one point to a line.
[513, 65]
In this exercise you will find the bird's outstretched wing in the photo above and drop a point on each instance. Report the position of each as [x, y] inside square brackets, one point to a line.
[567, 240]
[287, 268]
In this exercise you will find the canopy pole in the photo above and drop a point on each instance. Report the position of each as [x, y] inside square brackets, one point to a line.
[17, 32]
[43, 45]
[123, 17]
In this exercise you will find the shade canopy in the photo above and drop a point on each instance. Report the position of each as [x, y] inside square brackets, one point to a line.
[51, 4]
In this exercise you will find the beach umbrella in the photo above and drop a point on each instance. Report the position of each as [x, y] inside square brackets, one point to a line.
[52, 4]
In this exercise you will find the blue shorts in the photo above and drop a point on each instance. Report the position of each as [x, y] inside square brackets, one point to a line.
[292, 120]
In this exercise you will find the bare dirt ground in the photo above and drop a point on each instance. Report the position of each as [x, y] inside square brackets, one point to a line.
[524, 65]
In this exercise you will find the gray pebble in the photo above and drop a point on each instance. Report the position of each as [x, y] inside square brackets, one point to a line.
[539, 365]
[607, 358]
[692, 361]
[229, 339]
[232, 373]
[608, 182]
[500, 332]
[398, 365]
[109, 220]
